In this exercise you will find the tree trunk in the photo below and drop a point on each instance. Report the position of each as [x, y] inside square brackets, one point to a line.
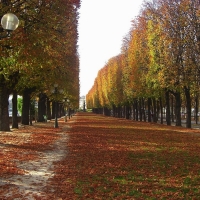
[154, 111]
[104, 111]
[118, 112]
[149, 109]
[121, 111]
[172, 108]
[30, 115]
[53, 110]
[136, 110]
[157, 110]
[48, 109]
[168, 119]
[14, 111]
[133, 110]
[113, 111]
[25, 107]
[41, 107]
[188, 107]
[143, 110]
[127, 112]
[4, 116]
[140, 109]
[107, 112]
[58, 110]
[178, 108]
[161, 111]
[196, 109]
[69, 113]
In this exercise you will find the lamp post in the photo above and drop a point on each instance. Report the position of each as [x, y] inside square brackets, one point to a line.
[65, 101]
[68, 108]
[9, 23]
[56, 92]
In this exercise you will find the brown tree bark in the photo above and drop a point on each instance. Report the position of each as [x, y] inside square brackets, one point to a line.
[14, 111]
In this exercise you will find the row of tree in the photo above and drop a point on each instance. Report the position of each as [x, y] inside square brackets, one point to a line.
[158, 69]
[40, 53]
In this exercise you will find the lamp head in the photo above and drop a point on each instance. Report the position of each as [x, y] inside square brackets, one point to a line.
[56, 85]
[9, 22]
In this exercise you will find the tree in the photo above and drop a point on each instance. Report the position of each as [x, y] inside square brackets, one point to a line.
[44, 50]
[159, 60]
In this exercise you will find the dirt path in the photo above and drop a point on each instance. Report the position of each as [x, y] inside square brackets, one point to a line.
[37, 172]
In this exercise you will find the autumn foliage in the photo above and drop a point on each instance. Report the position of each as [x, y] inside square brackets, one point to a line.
[105, 158]
[41, 52]
[119, 159]
[157, 68]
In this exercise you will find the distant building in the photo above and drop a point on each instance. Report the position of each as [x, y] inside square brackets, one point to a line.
[82, 103]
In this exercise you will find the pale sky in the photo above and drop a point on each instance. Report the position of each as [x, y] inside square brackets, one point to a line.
[102, 27]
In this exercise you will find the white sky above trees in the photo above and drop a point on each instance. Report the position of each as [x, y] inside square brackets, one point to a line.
[102, 26]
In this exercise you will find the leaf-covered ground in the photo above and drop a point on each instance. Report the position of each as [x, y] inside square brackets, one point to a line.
[100, 158]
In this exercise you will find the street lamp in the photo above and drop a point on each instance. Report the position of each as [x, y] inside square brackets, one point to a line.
[56, 92]
[65, 101]
[9, 23]
[68, 108]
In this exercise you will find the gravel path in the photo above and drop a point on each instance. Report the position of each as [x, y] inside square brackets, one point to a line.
[37, 172]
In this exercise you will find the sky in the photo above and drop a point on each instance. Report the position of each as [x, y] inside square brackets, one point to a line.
[102, 26]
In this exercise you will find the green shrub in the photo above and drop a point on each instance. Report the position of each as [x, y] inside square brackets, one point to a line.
[19, 105]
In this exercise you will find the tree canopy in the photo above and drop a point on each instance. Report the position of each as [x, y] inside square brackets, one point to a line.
[43, 50]
[159, 54]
